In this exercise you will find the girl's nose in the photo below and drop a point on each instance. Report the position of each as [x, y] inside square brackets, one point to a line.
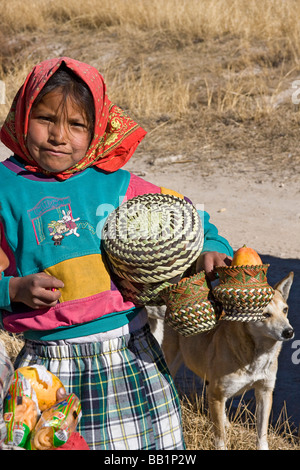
[57, 132]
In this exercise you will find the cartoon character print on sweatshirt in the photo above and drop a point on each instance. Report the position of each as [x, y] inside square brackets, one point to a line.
[57, 230]
[63, 228]
[70, 223]
[52, 219]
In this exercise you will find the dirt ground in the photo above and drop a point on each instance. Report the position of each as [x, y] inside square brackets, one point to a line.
[259, 209]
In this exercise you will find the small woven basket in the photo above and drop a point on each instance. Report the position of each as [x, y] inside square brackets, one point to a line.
[190, 307]
[243, 291]
[149, 242]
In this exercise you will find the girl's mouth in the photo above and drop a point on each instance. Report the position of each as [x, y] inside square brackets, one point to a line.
[56, 153]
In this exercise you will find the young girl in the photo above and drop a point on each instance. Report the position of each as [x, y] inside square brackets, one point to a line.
[69, 143]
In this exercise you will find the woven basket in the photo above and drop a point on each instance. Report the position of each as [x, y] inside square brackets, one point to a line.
[190, 308]
[243, 291]
[149, 241]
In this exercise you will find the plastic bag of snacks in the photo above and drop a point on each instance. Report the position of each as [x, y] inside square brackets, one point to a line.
[21, 411]
[56, 424]
[44, 383]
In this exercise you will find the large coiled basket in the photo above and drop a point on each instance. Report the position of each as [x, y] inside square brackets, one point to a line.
[149, 242]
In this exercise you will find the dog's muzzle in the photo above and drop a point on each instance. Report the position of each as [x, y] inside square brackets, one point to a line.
[287, 333]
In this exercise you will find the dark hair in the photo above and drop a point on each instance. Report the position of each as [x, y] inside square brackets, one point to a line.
[74, 87]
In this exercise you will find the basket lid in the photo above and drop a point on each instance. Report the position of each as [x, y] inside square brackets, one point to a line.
[152, 238]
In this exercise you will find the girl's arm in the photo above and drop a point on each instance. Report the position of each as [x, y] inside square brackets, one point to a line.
[212, 240]
[216, 250]
[4, 280]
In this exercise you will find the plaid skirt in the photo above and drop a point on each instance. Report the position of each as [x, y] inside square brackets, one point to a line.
[128, 398]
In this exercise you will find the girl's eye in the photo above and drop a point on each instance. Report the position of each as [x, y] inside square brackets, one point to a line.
[44, 118]
[79, 125]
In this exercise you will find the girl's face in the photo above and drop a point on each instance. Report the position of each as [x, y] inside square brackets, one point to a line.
[58, 136]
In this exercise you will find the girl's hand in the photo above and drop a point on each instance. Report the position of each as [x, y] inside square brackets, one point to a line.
[36, 290]
[60, 394]
[208, 260]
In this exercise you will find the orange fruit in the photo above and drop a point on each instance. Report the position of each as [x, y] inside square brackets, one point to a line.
[246, 256]
[44, 383]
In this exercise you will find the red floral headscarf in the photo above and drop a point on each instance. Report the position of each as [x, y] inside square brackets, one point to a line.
[115, 137]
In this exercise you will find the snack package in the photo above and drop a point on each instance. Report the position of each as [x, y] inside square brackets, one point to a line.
[44, 383]
[75, 442]
[56, 424]
[20, 411]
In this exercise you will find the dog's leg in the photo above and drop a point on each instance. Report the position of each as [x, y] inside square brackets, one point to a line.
[157, 329]
[170, 345]
[175, 364]
[264, 400]
[217, 413]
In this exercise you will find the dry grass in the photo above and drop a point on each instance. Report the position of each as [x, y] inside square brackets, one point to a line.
[12, 343]
[257, 39]
[191, 18]
[241, 433]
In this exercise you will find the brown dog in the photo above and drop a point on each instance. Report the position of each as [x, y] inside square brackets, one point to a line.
[232, 358]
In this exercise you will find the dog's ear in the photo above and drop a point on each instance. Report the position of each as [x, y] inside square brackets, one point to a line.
[285, 285]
